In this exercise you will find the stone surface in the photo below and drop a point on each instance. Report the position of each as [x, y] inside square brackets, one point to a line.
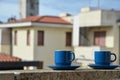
[79, 74]
[8, 76]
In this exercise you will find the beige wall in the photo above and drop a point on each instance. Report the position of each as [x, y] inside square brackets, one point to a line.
[21, 49]
[92, 18]
[87, 51]
[109, 17]
[116, 49]
[5, 49]
[98, 17]
[101, 20]
[112, 43]
[54, 40]
[109, 40]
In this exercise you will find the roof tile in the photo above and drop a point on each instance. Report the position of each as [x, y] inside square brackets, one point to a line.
[7, 58]
[44, 19]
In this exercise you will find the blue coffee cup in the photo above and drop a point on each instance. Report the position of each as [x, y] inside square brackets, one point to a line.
[63, 58]
[104, 57]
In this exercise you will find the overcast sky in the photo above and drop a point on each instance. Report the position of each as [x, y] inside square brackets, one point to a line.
[10, 8]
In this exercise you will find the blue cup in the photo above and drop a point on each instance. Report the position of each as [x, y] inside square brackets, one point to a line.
[104, 57]
[63, 58]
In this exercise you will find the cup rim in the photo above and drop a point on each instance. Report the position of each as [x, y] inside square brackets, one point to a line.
[102, 51]
[62, 50]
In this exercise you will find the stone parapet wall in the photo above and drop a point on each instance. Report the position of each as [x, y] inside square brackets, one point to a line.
[79, 74]
[7, 76]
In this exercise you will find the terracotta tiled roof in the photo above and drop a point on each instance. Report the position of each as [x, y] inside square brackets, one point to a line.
[7, 58]
[44, 19]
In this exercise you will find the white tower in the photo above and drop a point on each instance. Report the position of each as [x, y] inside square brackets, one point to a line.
[28, 8]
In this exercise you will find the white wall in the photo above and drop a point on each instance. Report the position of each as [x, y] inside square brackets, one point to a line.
[76, 30]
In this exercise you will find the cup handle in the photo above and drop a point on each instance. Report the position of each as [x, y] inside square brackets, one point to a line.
[73, 56]
[114, 58]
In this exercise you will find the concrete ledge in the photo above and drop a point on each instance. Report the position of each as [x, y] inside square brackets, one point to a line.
[80, 74]
[7, 76]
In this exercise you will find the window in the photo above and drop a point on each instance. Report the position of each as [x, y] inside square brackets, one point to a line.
[99, 38]
[28, 37]
[40, 38]
[68, 38]
[15, 37]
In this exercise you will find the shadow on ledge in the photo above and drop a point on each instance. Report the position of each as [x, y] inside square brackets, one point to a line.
[19, 65]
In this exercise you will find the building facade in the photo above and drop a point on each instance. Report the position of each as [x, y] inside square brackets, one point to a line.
[93, 29]
[5, 41]
[28, 8]
[37, 37]
[96, 29]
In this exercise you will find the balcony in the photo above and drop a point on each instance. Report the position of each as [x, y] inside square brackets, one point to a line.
[85, 54]
[97, 17]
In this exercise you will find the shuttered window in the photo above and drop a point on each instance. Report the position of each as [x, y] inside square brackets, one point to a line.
[40, 38]
[68, 38]
[28, 37]
[99, 38]
[15, 37]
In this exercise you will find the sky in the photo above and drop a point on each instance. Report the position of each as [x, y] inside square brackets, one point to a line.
[10, 8]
